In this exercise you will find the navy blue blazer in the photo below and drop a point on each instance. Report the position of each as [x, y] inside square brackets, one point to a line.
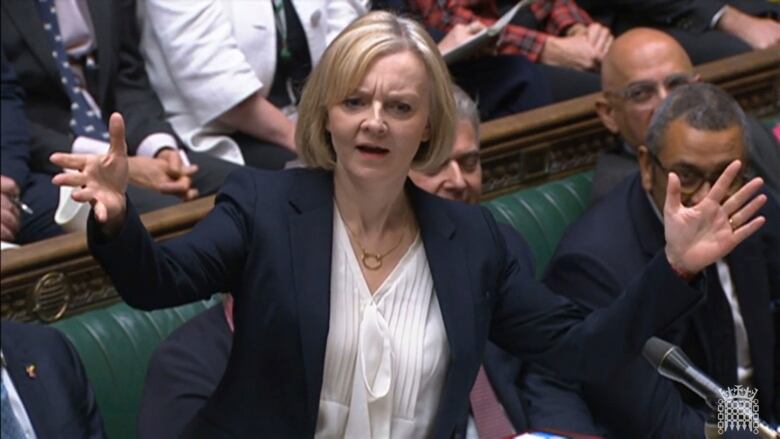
[185, 369]
[57, 398]
[268, 240]
[14, 153]
[604, 251]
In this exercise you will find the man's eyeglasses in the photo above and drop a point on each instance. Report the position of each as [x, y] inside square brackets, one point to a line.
[641, 92]
[692, 179]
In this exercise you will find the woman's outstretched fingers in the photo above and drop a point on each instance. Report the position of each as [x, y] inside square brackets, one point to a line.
[73, 179]
[69, 161]
[116, 130]
[83, 195]
[101, 213]
[721, 186]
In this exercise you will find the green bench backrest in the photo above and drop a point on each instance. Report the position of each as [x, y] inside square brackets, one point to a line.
[542, 213]
[115, 343]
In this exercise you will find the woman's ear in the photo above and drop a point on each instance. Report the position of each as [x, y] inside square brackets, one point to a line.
[426, 136]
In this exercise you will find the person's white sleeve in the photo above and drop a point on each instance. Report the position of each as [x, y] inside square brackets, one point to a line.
[204, 59]
[88, 145]
[153, 143]
[343, 12]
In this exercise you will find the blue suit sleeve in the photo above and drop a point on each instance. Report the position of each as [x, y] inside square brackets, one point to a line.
[206, 260]
[636, 400]
[530, 321]
[14, 136]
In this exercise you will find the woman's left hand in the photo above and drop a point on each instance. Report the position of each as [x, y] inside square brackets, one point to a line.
[699, 235]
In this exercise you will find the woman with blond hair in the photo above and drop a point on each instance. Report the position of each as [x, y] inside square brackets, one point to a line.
[362, 303]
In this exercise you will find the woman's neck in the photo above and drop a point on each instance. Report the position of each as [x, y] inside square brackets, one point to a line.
[371, 209]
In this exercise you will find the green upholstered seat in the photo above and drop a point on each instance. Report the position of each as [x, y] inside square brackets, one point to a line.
[115, 344]
[542, 213]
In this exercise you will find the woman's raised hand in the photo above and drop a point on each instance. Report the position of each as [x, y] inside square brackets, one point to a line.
[100, 180]
[699, 235]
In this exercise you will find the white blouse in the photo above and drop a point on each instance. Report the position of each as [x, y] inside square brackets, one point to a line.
[386, 355]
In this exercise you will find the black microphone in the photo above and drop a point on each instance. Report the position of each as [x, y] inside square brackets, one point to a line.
[670, 361]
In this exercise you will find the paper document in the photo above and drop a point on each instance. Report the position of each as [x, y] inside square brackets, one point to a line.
[481, 38]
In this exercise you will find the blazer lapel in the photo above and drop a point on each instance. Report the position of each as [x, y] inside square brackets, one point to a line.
[25, 17]
[311, 241]
[28, 385]
[451, 282]
[105, 33]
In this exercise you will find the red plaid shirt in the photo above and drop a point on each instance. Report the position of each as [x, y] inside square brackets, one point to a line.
[554, 18]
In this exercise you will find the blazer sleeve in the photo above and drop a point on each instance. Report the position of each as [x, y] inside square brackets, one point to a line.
[636, 401]
[534, 323]
[204, 60]
[14, 139]
[206, 260]
[135, 98]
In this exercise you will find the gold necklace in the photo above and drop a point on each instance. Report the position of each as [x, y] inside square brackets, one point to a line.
[372, 261]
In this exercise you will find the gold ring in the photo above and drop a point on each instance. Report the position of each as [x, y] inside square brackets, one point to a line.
[731, 223]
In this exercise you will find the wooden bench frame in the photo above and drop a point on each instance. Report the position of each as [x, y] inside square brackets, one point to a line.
[57, 277]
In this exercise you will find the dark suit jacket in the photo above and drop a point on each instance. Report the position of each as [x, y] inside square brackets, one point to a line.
[58, 400]
[183, 372]
[689, 15]
[122, 82]
[268, 240]
[603, 252]
[186, 368]
[14, 151]
[36, 190]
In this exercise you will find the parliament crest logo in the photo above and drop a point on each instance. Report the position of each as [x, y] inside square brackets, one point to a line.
[738, 410]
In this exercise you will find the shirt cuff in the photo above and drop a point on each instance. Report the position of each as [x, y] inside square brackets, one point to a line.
[88, 145]
[153, 143]
[716, 18]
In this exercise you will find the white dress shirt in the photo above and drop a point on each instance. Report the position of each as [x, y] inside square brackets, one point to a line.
[386, 356]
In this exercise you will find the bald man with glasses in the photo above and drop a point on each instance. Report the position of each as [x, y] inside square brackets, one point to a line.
[695, 133]
[641, 68]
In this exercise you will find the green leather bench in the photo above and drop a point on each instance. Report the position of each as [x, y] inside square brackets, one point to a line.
[115, 343]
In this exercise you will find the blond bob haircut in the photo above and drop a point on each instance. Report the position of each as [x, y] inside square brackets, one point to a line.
[342, 68]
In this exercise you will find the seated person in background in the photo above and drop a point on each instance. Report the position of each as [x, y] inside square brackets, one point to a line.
[45, 392]
[561, 38]
[185, 369]
[707, 29]
[502, 84]
[17, 183]
[78, 62]
[230, 73]
[731, 336]
[642, 67]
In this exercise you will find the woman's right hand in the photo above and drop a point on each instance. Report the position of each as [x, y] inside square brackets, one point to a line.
[100, 180]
